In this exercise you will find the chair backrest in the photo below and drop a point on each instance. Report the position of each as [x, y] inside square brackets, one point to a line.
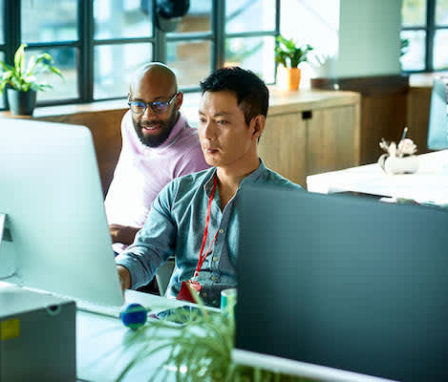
[438, 117]
[163, 275]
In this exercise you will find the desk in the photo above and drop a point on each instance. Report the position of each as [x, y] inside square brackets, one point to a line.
[428, 185]
[102, 352]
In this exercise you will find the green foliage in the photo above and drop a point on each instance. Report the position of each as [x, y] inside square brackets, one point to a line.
[404, 46]
[198, 350]
[22, 76]
[289, 54]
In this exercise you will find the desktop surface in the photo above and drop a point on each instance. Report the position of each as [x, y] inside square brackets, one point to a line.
[428, 185]
[344, 282]
[103, 348]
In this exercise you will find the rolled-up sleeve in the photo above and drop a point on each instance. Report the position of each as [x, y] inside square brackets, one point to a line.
[154, 243]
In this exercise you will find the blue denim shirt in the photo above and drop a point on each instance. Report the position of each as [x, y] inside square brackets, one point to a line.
[175, 226]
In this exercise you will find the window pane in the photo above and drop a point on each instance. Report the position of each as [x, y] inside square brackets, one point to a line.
[440, 60]
[190, 60]
[413, 13]
[49, 20]
[122, 18]
[197, 19]
[250, 15]
[442, 12]
[114, 67]
[2, 10]
[254, 53]
[65, 61]
[414, 58]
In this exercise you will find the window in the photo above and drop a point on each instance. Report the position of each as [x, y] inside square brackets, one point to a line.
[98, 44]
[424, 35]
[250, 30]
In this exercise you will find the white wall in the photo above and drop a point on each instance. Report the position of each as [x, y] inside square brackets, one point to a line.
[358, 37]
[369, 38]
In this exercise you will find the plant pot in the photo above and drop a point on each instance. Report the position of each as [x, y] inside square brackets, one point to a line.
[288, 78]
[399, 165]
[21, 103]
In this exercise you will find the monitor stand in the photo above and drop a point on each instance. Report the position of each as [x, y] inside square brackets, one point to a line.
[7, 259]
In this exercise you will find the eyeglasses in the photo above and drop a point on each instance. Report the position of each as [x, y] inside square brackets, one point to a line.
[138, 107]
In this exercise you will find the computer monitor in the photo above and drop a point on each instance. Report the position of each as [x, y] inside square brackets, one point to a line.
[438, 115]
[51, 194]
[344, 282]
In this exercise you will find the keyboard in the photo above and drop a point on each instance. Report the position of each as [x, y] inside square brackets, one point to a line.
[104, 310]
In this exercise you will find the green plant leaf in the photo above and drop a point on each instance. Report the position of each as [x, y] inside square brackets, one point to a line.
[6, 67]
[289, 54]
[19, 58]
[22, 79]
[56, 71]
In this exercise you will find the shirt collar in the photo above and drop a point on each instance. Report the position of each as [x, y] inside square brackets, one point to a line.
[208, 185]
[255, 175]
[251, 178]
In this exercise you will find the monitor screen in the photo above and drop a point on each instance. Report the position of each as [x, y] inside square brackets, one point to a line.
[344, 282]
[438, 116]
[57, 238]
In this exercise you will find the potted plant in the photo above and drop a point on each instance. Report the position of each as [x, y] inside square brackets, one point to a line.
[199, 344]
[288, 54]
[399, 158]
[20, 80]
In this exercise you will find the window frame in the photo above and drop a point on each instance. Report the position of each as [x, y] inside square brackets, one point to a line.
[86, 43]
[430, 28]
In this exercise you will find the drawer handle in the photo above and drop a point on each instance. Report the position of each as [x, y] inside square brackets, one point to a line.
[307, 114]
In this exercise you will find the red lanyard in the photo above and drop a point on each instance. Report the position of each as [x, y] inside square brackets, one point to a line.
[202, 256]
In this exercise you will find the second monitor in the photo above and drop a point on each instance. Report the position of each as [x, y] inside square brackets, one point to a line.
[344, 282]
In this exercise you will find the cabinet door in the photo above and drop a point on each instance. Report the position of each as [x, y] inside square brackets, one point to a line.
[333, 140]
[282, 146]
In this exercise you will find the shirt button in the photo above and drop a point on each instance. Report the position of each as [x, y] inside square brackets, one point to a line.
[221, 230]
[215, 259]
[213, 278]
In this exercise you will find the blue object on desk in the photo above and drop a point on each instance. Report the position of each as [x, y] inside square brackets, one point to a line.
[438, 117]
[134, 316]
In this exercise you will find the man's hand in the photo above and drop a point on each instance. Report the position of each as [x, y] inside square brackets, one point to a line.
[122, 234]
[125, 277]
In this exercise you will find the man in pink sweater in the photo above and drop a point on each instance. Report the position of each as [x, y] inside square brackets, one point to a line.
[158, 146]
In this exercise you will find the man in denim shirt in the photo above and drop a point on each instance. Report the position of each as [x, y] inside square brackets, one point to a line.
[232, 117]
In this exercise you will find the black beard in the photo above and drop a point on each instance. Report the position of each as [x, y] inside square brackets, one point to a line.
[155, 140]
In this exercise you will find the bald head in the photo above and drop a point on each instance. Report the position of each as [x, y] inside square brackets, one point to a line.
[154, 75]
[153, 84]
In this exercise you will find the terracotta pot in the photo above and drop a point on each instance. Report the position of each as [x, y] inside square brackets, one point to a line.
[288, 78]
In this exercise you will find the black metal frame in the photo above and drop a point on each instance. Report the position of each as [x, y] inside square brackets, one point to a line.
[85, 43]
[430, 28]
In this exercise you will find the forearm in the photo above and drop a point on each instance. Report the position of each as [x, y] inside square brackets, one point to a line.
[141, 264]
[152, 246]
[122, 234]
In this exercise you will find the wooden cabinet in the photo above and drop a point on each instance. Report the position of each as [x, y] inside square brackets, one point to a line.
[283, 145]
[383, 108]
[309, 132]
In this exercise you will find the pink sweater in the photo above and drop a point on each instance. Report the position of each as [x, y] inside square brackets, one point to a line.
[143, 171]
